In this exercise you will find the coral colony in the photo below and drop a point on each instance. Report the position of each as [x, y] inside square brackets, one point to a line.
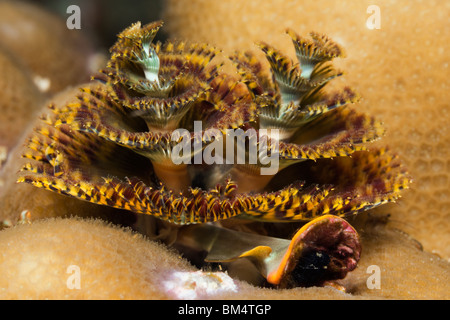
[164, 132]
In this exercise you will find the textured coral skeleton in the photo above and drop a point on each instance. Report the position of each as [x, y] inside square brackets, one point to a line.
[113, 147]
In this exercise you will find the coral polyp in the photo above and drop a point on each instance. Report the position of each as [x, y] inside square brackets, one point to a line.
[116, 146]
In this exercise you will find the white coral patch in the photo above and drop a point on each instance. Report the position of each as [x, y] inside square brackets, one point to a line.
[198, 285]
[42, 83]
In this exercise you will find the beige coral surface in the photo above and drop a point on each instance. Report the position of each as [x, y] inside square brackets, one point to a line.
[400, 70]
[20, 100]
[40, 40]
[39, 56]
[76, 259]
[90, 259]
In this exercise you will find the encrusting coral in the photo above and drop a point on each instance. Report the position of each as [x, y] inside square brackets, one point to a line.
[42, 261]
[19, 103]
[55, 56]
[115, 146]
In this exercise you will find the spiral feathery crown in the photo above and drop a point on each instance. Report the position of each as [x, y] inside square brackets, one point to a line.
[114, 145]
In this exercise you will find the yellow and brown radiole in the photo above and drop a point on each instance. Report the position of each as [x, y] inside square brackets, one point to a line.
[113, 147]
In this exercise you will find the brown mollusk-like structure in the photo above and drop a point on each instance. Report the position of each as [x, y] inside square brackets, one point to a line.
[116, 145]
